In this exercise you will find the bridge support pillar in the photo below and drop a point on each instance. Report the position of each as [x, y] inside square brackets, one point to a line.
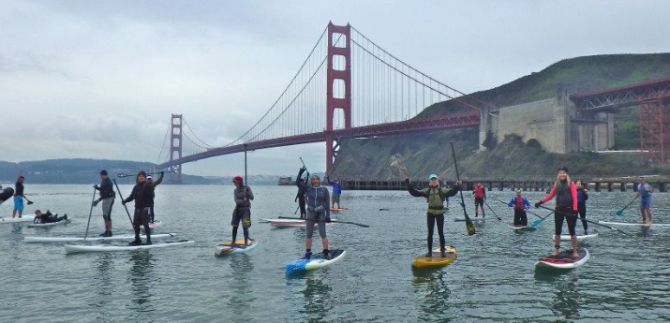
[655, 130]
[338, 85]
[175, 147]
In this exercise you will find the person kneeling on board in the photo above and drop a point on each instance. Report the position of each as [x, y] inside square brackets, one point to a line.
[318, 212]
[565, 192]
[142, 193]
[435, 195]
[520, 205]
[48, 217]
[242, 212]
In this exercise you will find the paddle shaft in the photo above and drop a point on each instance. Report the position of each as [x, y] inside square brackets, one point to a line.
[589, 221]
[124, 204]
[494, 212]
[468, 223]
[89, 214]
[620, 212]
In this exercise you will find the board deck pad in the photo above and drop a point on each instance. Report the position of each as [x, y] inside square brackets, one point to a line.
[564, 260]
[228, 248]
[436, 260]
[317, 261]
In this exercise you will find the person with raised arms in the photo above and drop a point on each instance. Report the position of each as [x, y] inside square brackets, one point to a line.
[644, 192]
[141, 194]
[242, 212]
[318, 213]
[106, 189]
[337, 192]
[520, 205]
[435, 196]
[565, 192]
[300, 196]
[153, 185]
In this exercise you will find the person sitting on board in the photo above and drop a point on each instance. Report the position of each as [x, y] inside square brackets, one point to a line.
[152, 187]
[242, 212]
[435, 196]
[300, 196]
[337, 191]
[18, 197]
[480, 195]
[582, 196]
[141, 194]
[47, 217]
[644, 192]
[520, 205]
[107, 197]
[318, 212]
[565, 192]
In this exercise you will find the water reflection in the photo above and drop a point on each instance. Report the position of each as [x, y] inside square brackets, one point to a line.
[433, 293]
[242, 297]
[318, 298]
[140, 278]
[565, 301]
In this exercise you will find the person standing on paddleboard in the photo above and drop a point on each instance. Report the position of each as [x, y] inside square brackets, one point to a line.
[152, 184]
[337, 191]
[520, 205]
[435, 196]
[300, 196]
[242, 212]
[582, 196]
[141, 194]
[318, 212]
[106, 189]
[18, 197]
[644, 192]
[480, 195]
[565, 192]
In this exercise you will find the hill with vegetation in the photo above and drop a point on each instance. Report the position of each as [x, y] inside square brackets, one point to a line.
[423, 153]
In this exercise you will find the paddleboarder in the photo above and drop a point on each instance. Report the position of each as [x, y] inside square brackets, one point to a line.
[318, 213]
[18, 197]
[107, 195]
[565, 192]
[300, 196]
[48, 217]
[480, 195]
[152, 184]
[520, 205]
[644, 192]
[435, 196]
[582, 196]
[141, 194]
[242, 212]
[337, 191]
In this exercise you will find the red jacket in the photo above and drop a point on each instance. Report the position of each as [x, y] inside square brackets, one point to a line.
[573, 194]
[479, 192]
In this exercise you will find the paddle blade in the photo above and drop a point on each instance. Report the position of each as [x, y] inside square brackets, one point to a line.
[619, 212]
[536, 223]
[470, 227]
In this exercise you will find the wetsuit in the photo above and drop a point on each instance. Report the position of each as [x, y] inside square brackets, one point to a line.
[153, 195]
[142, 193]
[300, 196]
[48, 217]
[435, 213]
[242, 212]
[107, 195]
[480, 195]
[18, 196]
[566, 205]
[318, 208]
[582, 196]
[520, 205]
[337, 191]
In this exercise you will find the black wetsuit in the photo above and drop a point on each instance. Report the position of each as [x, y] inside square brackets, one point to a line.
[582, 196]
[152, 187]
[300, 196]
[142, 194]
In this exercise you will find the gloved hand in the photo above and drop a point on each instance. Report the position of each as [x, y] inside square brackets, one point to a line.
[96, 187]
[303, 168]
[95, 203]
[30, 202]
[123, 202]
[162, 173]
[537, 205]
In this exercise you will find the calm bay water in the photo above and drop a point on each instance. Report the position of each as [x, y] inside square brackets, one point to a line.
[627, 278]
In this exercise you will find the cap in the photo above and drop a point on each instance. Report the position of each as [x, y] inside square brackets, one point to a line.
[103, 172]
[238, 179]
[433, 176]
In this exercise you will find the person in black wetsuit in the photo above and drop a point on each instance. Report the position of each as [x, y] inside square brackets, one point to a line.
[300, 196]
[107, 195]
[150, 181]
[582, 196]
[142, 194]
[48, 217]
[242, 212]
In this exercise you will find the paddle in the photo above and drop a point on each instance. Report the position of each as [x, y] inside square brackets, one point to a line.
[468, 223]
[124, 204]
[494, 212]
[89, 215]
[334, 221]
[123, 175]
[620, 212]
[589, 221]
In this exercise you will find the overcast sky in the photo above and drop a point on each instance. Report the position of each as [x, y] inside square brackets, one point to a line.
[99, 79]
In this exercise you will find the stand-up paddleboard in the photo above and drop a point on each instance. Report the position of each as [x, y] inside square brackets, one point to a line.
[477, 220]
[564, 260]
[580, 237]
[227, 248]
[93, 238]
[316, 262]
[521, 228]
[50, 224]
[630, 224]
[338, 209]
[436, 260]
[154, 225]
[16, 220]
[106, 248]
[287, 223]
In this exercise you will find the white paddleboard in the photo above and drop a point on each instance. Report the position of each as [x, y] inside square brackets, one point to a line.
[107, 248]
[316, 262]
[564, 260]
[566, 237]
[286, 223]
[46, 225]
[32, 239]
[224, 249]
[16, 220]
[521, 228]
[629, 224]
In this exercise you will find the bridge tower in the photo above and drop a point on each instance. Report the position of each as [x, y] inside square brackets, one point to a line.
[338, 86]
[655, 130]
[175, 147]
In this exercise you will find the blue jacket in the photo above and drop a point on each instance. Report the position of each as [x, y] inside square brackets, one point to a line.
[512, 203]
[337, 187]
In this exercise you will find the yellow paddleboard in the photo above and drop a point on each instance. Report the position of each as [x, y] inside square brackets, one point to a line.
[436, 260]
